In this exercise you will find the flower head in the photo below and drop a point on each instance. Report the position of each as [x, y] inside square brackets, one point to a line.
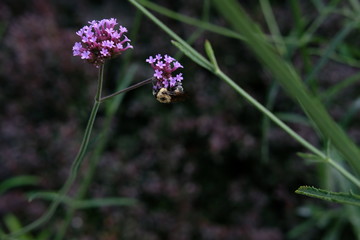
[100, 41]
[163, 68]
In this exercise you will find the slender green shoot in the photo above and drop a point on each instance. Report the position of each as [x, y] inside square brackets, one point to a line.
[73, 171]
[273, 26]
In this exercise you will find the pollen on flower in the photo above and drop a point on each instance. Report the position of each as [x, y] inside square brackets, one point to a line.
[163, 69]
[101, 41]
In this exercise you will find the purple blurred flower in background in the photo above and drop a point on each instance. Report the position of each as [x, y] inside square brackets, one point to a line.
[164, 66]
[100, 41]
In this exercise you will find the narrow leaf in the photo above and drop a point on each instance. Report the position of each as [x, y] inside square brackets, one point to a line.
[191, 21]
[309, 156]
[87, 203]
[330, 49]
[210, 53]
[13, 224]
[187, 49]
[18, 181]
[105, 202]
[338, 197]
[331, 92]
[193, 57]
[51, 196]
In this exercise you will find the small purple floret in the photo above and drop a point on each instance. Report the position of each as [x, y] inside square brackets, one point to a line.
[160, 64]
[158, 74]
[163, 67]
[85, 55]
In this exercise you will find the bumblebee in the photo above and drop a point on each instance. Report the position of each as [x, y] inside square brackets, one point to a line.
[165, 95]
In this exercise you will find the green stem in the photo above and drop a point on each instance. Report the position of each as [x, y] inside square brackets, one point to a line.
[344, 172]
[73, 171]
[78, 160]
[142, 83]
[287, 129]
[73, 174]
[83, 187]
[100, 83]
[95, 156]
[71, 209]
[270, 115]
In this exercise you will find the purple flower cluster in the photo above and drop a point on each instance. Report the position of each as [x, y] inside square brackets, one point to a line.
[164, 66]
[100, 41]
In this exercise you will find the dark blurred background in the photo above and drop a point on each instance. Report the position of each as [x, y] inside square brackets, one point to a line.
[195, 167]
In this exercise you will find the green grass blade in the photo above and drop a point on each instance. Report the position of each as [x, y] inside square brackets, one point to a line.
[186, 47]
[331, 92]
[18, 181]
[191, 21]
[202, 62]
[273, 26]
[297, 15]
[310, 157]
[355, 4]
[199, 31]
[88, 203]
[225, 31]
[318, 4]
[293, 118]
[44, 235]
[104, 202]
[286, 75]
[351, 112]
[338, 197]
[265, 122]
[210, 53]
[13, 224]
[340, 36]
[50, 196]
